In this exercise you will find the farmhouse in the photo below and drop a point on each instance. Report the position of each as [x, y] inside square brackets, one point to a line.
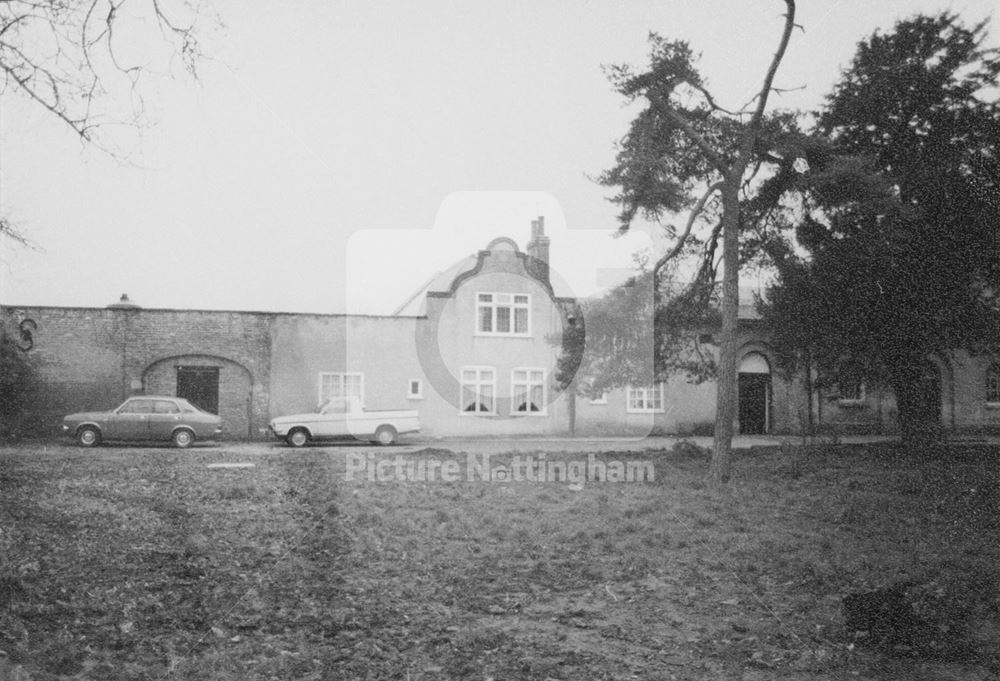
[474, 351]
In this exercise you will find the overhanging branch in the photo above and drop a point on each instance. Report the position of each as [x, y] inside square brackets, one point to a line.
[695, 212]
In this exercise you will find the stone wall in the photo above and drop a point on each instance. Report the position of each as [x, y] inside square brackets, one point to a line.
[93, 358]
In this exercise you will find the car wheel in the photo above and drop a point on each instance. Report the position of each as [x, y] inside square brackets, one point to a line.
[298, 437]
[385, 435]
[183, 438]
[88, 437]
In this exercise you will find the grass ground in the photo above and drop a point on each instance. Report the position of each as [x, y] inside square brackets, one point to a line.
[136, 563]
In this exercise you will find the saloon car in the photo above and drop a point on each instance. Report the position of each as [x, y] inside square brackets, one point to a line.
[145, 417]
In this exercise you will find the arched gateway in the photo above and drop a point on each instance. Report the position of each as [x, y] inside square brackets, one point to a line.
[215, 384]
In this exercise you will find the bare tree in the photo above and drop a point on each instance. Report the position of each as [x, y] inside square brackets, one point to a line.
[83, 61]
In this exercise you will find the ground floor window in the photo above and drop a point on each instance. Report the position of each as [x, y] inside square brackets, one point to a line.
[334, 384]
[646, 399]
[478, 390]
[993, 385]
[851, 390]
[528, 389]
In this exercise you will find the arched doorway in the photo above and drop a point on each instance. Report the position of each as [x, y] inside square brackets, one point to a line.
[754, 394]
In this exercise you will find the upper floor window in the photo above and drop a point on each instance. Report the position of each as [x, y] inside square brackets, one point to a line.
[503, 314]
[645, 399]
[528, 387]
[993, 385]
[478, 390]
[333, 385]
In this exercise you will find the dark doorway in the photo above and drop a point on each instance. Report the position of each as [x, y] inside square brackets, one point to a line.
[754, 400]
[199, 386]
[927, 397]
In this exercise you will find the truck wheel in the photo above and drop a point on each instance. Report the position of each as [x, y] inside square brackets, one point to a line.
[385, 435]
[183, 438]
[88, 437]
[298, 437]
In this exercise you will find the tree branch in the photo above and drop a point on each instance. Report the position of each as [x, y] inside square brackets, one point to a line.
[699, 140]
[786, 35]
[695, 212]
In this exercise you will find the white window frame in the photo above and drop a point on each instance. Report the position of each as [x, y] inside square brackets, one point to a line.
[341, 377]
[993, 377]
[645, 395]
[497, 301]
[477, 384]
[600, 401]
[849, 400]
[527, 382]
[419, 393]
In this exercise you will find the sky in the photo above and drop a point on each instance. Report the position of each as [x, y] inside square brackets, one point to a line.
[334, 155]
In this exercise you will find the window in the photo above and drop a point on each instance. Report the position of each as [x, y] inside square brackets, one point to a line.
[335, 405]
[645, 400]
[528, 388]
[478, 390]
[851, 391]
[600, 399]
[993, 385]
[503, 314]
[341, 385]
[137, 407]
[850, 387]
[165, 407]
[415, 391]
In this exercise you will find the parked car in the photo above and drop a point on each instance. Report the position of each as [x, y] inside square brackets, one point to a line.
[344, 417]
[146, 417]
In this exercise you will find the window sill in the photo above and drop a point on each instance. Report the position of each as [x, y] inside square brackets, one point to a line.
[483, 334]
[993, 405]
[852, 404]
[645, 411]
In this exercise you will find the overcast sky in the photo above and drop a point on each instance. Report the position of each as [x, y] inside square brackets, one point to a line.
[334, 155]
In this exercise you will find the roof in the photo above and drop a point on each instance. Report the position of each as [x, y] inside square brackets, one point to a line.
[416, 303]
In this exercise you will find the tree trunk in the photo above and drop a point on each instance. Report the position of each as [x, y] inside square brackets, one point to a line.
[725, 403]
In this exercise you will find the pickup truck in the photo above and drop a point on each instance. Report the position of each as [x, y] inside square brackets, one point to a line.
[344, 417]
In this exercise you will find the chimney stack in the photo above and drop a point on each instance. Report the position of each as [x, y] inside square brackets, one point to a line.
[538, 248]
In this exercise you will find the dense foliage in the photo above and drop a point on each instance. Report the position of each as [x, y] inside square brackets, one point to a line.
[898, 245]
[18, 382]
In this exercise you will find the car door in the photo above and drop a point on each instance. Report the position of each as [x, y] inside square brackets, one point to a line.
[333, 418]
[131, 420]
[165, 416]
